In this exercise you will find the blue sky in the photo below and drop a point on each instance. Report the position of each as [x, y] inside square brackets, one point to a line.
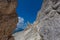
[27, 11]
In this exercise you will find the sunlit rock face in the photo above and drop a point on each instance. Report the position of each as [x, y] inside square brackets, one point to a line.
[30, 33]
[47, 24]
[49, 20]
[8, 19]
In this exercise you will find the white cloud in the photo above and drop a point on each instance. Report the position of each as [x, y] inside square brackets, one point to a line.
[20, 20]
[21, 23]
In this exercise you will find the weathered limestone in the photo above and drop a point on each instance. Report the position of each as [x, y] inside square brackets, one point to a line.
[49, 20]
[29, 33]
[8, 19]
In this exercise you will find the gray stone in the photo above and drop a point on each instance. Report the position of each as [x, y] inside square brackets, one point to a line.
[49, 20]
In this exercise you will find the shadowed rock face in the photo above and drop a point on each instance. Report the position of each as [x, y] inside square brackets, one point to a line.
[8, 19]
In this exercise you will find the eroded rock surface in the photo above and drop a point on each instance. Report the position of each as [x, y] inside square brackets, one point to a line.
[8, 19]
[49, 20]
[30, 33]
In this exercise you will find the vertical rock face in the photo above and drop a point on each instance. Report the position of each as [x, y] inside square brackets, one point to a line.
[8, 19]
[49, 20]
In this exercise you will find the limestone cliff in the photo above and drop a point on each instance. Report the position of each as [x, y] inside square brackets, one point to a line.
[49, 20]
[8, 19]
[47, 24]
